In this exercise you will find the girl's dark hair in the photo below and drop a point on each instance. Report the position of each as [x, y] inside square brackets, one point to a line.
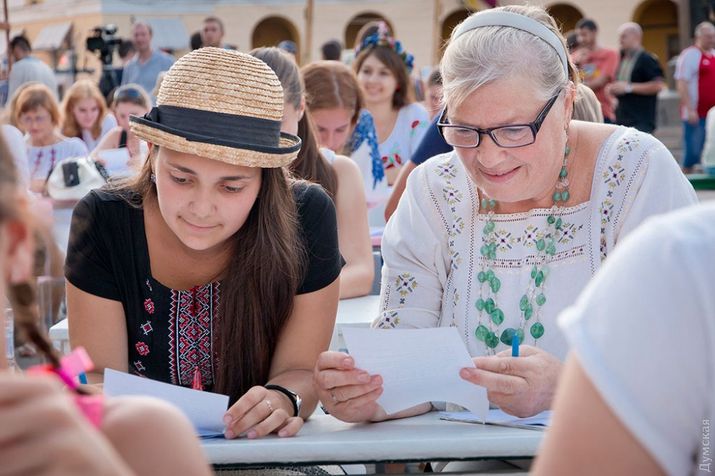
[310, 164]
[259, 283]
[131, 93]
[404, 94]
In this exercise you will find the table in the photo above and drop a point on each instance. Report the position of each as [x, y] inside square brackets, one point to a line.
[351, 312]
[326, 440]
[59, 335]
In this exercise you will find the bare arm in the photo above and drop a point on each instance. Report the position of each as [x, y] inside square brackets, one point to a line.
[353, 231]
[153, 437]
[686, 101]
[597, 83]
[648, 88]
[98, 325]
[109, 141]
[398, 188]
[586, 437]
[305, 335]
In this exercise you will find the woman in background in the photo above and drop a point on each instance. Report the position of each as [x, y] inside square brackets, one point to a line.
[38, 114]
[382, 68]
[85, 114]
[338, 175]
[128, 100]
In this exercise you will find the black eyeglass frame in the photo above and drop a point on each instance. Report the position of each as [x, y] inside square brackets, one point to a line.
[535, 126]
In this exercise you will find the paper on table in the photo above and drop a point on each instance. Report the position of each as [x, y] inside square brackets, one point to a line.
[417, 366]
[115, 161]
[204, 409]
[498, 417]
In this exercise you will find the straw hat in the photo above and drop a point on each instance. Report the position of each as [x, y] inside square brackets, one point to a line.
[223, 105]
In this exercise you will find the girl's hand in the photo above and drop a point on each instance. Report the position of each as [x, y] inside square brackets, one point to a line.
[348, 393]
[261, 412]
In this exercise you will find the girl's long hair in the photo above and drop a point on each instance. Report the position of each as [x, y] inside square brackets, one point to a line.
[310, 164]
[82, 89]
[259, 283]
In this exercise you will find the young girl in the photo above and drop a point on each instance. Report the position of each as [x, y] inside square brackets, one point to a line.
[85, 114]
[38, 115]
[338, 175]
[383, 69]
[136, 436]
[335, 103]
[128, 100]
[211, 269]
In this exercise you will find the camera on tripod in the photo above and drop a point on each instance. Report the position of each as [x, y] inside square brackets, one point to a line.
[104, 41]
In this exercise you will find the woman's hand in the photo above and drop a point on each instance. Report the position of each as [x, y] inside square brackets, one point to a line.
[348, 393]
[260, 412]
[521, 386]
[42, 431]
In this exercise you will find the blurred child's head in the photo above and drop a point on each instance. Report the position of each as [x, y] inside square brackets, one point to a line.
[130, 100]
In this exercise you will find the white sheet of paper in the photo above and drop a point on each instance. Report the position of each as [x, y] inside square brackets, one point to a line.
[417, 366]
[498, 417]
[204, 409]
[115, 161]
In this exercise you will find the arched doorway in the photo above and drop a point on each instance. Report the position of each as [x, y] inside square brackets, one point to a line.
[449, 23]
[358, 22]
[566, 16]
[272, 30]
[659, 20]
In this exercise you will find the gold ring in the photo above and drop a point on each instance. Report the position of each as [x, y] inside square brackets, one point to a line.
[268, 404]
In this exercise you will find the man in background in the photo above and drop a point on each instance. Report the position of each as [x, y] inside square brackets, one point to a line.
[26, 68]
[596, 63]
[639, 79]
[332, 50]
[147, 63]
[695, 76]
[212, 32]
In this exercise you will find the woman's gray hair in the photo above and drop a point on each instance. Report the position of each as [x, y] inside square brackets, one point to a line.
[486, 54]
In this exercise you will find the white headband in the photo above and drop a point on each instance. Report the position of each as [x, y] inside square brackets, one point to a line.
[520, 22]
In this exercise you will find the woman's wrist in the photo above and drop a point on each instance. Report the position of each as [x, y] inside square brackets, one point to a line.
[280, 400]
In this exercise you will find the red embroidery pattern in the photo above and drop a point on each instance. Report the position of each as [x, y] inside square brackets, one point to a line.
[142, 348]
[38, 162]
[391, 161]
[147, 328]
[149, 306]
[190, 334]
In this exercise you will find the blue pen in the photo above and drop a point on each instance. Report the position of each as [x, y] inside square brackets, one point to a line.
[515, 345]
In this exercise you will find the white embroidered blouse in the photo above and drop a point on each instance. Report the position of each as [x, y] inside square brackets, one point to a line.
[431, 244]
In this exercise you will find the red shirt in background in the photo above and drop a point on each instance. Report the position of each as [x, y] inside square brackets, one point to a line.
[595, 64]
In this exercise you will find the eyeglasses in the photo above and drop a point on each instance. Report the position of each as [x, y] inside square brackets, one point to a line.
[509, 136]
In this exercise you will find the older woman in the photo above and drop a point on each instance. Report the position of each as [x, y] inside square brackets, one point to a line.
[500, 235]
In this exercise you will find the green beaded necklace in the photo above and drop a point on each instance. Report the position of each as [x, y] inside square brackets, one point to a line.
[490, 315]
